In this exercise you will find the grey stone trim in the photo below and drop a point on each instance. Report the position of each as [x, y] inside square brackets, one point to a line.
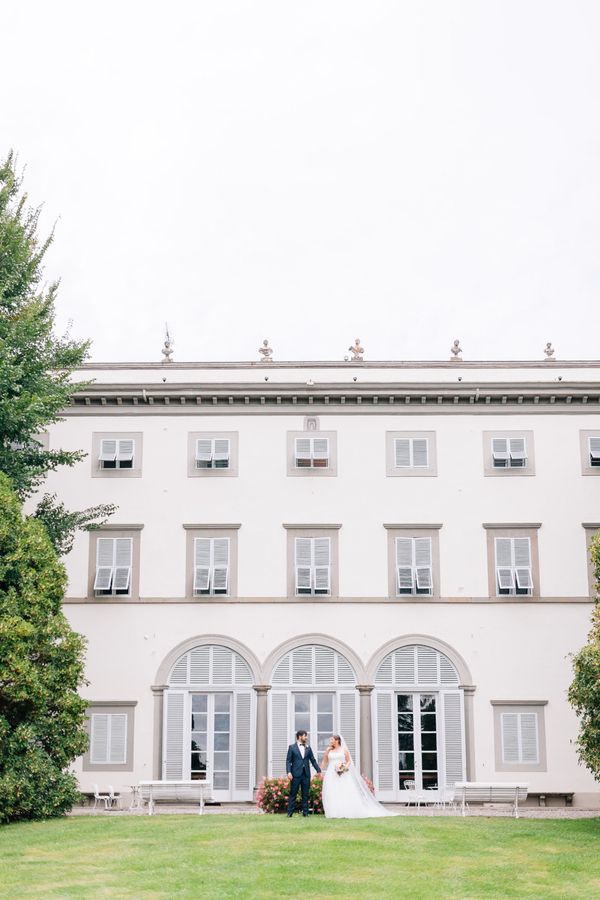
[323, 640]
[366, 728]
[498, 531]
[427, 640]
[201, 640]
[214, 601]
[421, 525]
[494, 525]
[489, 470]
[300, 531]
[339, 364]
[157, 729]
[232, 471]
[526, 706]
[586, 468]
[590, 531]
[116, 530]
[314, 526]
[519, 702]
[138, 452]
[393, 471]
[106, 706]
[294, 471]
[95, 703]
[117, 526]
[214, 526]
[208, 531]
[413, 531]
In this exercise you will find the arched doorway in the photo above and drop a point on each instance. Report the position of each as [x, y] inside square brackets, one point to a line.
[313, 688]
[419, 723]
[209, 721]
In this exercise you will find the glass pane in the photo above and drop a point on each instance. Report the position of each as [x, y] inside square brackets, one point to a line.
[430, 780]
[404, 778]
[429, 741]
[302, 703]
[199, 762]
[405, 722]
[323, 741]
[222, 702]
[405, 741]
[325, 722]
[221, 742]
[325, 703]
[221, 721]
[199, 703]
[199, 721]
[199, 742]
[405, 702]
[427, 721]
[221, 762]
[429, 761]
[427, 703]
[221, 781]
[406, 761]
[302, 722]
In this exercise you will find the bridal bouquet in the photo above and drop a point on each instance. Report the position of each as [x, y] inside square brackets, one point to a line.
[342, 767]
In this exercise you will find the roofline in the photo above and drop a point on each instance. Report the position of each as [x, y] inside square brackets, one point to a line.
[261, 365]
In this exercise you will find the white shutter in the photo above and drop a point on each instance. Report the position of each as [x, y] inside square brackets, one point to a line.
[504, 552]
[500, 451]
[518, 451]
[322, 563]
[420, 453]
[529, 737]
[510, 737]
[402, 452]
[204, 450]
[118, 738]
[105, 554]
[423, 564]
[243, 737]
[108, 451]
[303, 555]
[404, 563]
[202, 564]
[454, 750]
[321, 451]
[504, 564]
[175, 767]
[302, 451]
[522, 554]
[125, 450]
[221, 453]
[199, 666]
[220, 564]
[405, 663]
[123, 554]
[99, 738]
[427, 665]
[594, 443]
[324, 665]
[384, 753]
[279, 731]
[303, 665]
[348, 719]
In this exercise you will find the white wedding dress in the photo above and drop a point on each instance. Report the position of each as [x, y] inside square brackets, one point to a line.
[346, 796]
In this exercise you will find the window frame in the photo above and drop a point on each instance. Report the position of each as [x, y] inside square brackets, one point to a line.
[394, 471]
[530, 531]
[232, 470]
[519, 707]
[115, 531]
[591, 529]
[229, 531]
[98, 471]
[413, 531]
[110, 707]
[489, 470]
[329, 471]
[313, 531]
[584, 449]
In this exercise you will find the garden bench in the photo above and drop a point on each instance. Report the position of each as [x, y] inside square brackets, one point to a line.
[175, 792]
[466, 792]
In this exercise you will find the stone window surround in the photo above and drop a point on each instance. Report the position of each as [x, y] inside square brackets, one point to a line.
[99, 436]
[115, 530]
[489, 470]
[511, 530]
[591, 528]
[309, 471]
[209, 531]
[394, 471]
[316, 530]
[421, 530]
[111, 707]
[232, 471]
[519, 706]
[586, 469]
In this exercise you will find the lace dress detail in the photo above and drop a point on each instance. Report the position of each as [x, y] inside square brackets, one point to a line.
[346, 796]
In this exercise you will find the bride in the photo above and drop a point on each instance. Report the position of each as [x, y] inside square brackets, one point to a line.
[345, 795]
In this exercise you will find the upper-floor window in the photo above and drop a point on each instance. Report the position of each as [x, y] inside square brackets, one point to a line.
[213, 453]
[312, 453]
[590, 452]
[513, 566]
[594, 446]
[411, 453]
[313, 565]
[117, 454]
[508, 453]
[211, 565]
[114, 556]
[414, 565]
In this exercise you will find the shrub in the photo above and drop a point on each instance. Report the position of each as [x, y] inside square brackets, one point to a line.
[273, 795]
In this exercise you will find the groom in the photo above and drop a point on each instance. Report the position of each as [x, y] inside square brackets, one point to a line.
[298, 763]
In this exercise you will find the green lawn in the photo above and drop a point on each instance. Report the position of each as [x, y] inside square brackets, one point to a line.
[271, 856]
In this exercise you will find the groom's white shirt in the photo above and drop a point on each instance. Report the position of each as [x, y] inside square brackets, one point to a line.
[301, 748]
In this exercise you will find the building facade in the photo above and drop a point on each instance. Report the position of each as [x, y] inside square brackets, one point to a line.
[393, 551]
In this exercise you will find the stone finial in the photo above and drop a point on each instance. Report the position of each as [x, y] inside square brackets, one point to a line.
[356, 350]
[455, 349]
[549, 351]
[265, 351]
[167, 350]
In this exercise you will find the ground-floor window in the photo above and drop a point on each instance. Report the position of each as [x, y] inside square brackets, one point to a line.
[211, 738]
[314, 713]
[417, 741]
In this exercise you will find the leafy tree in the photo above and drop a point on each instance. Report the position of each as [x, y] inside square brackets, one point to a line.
[41, 667]
[584, 693]
[35, 366]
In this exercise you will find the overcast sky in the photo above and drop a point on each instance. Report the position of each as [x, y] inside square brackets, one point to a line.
[311, 172]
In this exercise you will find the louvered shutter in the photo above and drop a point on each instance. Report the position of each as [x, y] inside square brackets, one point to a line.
[420, 453]
[454, 750]
[303, 666]
[99, 738]
[522, 555]
[423, 564]
[204, 450]
[123, 553]
[504, 563]
[500, 451]
[118, 738]
[243, 738]
[322, 564]
[174, 764]
[221, 453]
[518, 451]
[201, 564]
[529, 737]
[108, 451]
[324, 665]
[199, 665]
[221, 565]
[404, 561]
[221, 665]
[405, 660]
[427, 665]
[280, 737]
[303, 553]
[105, 551]
[348, 719]
[125, 450]
[303, 452]
[594, 451]
[510, 737]
[402, 452]
[385, 744]
[321, 452]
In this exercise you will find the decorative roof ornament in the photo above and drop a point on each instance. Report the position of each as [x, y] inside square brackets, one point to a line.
[167, 350]
[549, 351]
[357, 351]
[455, 349]
[265, 351]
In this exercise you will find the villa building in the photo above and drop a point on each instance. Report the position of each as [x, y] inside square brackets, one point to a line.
[396, 551]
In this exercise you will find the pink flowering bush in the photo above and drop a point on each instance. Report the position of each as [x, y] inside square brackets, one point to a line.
[273, 795]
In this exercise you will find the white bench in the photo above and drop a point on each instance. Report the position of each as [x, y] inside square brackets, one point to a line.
[175, 792]
[466, 792]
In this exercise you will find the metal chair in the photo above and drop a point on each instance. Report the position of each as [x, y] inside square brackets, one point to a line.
[104, 798]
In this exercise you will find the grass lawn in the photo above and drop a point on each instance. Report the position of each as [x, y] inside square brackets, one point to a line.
[271, 856]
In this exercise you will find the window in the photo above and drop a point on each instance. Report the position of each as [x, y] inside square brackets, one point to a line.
[519, 735]
[114, 562]
[508, 453]
[590, 452]
[211, 561]
[312, 452]
[313, 565]
[110, 729]
[117, 454]
[513, 566]
[211, 565]
[411, 453]
[212, 454]
[591, 529]
[113, 566]
[413, 566]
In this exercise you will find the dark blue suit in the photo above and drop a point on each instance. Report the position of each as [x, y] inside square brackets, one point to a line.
[299, 769]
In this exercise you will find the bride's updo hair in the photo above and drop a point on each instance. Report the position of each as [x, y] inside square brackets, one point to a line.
[337, 739]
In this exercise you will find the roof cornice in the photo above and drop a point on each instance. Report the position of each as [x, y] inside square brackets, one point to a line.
[262, 366]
